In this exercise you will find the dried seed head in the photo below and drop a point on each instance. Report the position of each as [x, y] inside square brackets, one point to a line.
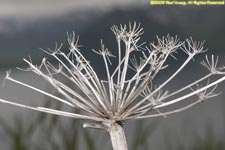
[211, 65]
[123, 95]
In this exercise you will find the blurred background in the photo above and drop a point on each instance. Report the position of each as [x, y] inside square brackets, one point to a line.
[28, 25]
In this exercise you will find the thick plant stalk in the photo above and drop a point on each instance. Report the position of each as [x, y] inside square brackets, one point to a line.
[117, 136]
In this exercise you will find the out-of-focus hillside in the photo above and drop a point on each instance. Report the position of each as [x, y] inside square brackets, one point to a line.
[207, 23]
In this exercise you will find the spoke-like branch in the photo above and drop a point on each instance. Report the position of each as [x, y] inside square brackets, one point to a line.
[187, 86]
[106, 54]
[68, 114]
[202, 96]
[190, 94]
[164, 113]
[40, 91]
[46, 110]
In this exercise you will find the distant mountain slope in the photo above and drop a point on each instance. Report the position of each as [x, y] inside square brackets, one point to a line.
[40, 34]
[206, 23]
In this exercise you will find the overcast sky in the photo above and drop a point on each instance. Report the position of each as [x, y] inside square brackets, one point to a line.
[14, 14]
[40, 8]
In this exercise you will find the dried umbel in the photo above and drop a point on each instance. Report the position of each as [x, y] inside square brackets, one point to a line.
[129, 91]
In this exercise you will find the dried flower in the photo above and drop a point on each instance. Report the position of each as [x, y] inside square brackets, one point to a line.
[127, 93]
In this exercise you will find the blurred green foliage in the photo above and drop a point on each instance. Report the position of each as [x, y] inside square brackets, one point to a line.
[39, 131]
[43, 131]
